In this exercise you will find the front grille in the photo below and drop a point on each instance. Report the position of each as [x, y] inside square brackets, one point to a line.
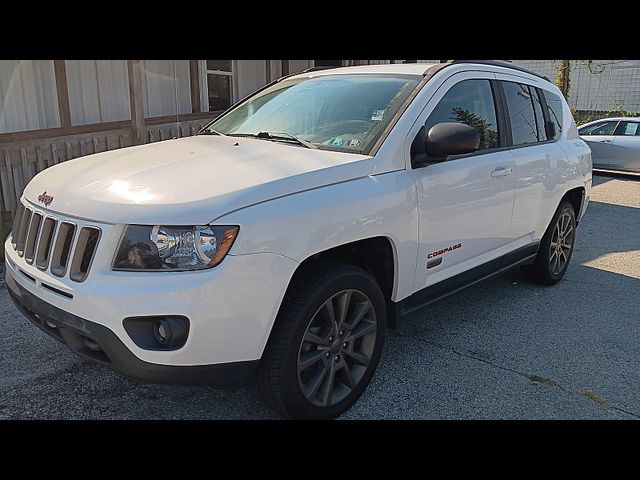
[25, 220]
[62, 250]
[85, 250]
[49, 243]
[17, 221]
[45, 244]
[34, 230]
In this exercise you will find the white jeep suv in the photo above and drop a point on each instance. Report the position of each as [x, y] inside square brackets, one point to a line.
[283, 239]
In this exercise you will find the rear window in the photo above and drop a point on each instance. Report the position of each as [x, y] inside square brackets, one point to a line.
[555, 111]
[628, 129]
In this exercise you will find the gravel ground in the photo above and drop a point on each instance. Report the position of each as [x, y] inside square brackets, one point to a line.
[503, 349]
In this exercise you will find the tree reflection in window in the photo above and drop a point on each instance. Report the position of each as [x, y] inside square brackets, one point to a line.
[470, 102]
[488, 136]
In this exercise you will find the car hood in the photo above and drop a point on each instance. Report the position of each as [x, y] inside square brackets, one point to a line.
[186, 181]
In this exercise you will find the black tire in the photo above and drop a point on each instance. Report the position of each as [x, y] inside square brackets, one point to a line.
[311, 292]
[544, 270]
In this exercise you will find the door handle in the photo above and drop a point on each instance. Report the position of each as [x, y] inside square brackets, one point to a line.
[604, 141]
[501, 172]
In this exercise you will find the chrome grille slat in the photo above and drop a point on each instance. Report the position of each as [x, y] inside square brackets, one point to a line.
[57, 245]
[32, 237]
[62, 250]
[24, 229]
[46, 242]
[84, 253]
[17, 221]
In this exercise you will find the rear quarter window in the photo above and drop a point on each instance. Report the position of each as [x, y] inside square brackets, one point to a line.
[554, 102]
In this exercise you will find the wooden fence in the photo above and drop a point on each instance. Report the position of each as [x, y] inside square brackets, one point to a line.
[20, 162]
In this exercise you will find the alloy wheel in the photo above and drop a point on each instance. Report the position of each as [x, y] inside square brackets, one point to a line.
[561, 243]
[337, 348]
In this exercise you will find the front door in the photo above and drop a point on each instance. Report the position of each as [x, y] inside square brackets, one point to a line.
[465, 203]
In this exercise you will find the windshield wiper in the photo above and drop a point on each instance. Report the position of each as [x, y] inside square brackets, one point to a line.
[276, 136]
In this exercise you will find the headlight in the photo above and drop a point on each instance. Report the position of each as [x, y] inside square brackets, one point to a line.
[173, 248]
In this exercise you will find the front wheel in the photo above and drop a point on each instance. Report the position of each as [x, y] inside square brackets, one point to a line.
[326, 343]
[555, 249]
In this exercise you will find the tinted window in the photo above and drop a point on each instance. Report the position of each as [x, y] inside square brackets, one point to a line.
[628, 129]
[537, 106]
[601, 128]
[555, 111]
[521, 116]
[470, 102]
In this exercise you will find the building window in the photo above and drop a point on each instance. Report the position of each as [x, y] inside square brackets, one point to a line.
[219, 84]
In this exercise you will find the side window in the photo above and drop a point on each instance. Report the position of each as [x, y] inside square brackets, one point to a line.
[522, 118]
[470, 102]
[537, 106]
[555, 111]
[628, 129]
[601, 128]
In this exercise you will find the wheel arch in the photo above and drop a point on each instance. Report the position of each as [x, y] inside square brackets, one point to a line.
[376, 255]
[575, 197]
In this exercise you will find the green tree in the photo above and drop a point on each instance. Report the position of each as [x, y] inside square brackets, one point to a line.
[488, 136]
[563, 77]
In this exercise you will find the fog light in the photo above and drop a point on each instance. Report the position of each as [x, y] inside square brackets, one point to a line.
[158, 333]
[162, 332]
[170, 332]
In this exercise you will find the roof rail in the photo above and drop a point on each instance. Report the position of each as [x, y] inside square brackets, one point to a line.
[501, 64]
[315, 69]
[312, 69]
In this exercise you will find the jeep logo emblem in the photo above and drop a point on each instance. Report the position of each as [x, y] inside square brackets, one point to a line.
[45, 199]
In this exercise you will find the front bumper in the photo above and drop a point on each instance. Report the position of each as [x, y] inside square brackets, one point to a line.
[231, 308]
[96, 342]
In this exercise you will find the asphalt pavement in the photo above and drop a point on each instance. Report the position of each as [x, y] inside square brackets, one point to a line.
[502, 349]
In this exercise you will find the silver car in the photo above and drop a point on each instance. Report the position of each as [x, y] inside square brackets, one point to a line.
[614, 142]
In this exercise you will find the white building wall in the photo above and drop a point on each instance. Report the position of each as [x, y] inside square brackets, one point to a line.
[98, 91]
[296, 66]
[250, 76]
[28, 95]
[166, 83]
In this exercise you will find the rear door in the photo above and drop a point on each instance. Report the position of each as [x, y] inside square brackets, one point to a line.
[599, 137]
[536, 157]
[625, 147]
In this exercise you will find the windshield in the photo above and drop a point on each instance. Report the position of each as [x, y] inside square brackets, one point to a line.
[336, 112]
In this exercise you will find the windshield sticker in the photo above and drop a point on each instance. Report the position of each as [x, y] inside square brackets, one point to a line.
[377, 115]
[355, 143]
[339, 142]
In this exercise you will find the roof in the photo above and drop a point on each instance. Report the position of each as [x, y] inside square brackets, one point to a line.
[389, 68]
[411, 68]
[614, 119]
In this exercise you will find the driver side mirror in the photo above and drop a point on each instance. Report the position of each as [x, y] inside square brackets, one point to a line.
[443, 140]
[451, 138]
